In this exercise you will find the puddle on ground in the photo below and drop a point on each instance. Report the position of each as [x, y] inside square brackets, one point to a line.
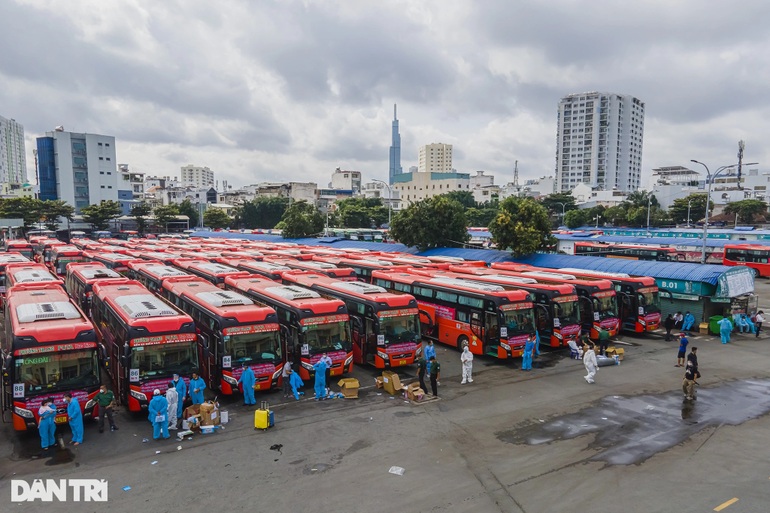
[60, 456]
[404, 414]
[629, 430]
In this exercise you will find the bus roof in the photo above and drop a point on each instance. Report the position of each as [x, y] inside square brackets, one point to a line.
[29, 273]
[455, 282]
[225, 303]
[46, 314]
[89, 272]
[206, 267]
[354, 289]
[288, 295]
[137, 307]
[156, 270]
[511, 279]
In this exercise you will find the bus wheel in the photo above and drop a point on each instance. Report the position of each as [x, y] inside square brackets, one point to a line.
[462, 341]
[754, 272]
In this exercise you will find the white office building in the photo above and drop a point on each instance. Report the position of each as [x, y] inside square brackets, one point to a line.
[435, 158]
[599, 142]
[346, 180]
[13, 160]
[196, 176]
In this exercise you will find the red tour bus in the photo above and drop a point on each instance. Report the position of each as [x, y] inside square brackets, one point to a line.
[626, 251]
[210, 271]
[146, 340]
[152, 274]
[80, 280]
[236, 332]
[311, 325]
[454, 311]
[115, 261]
[29, 273]
[49, 348]
[325, 268]
[267, 270]
[9, 258]
[385, 325]
[20, 246]
[754, 256]
[63, 255]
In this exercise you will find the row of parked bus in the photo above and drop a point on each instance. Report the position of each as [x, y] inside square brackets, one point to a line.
[145, 310]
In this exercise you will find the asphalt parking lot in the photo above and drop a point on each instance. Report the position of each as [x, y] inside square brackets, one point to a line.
[536, 441]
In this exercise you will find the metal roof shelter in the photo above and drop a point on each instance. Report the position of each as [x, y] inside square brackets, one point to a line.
[334, 242]
[662, 241]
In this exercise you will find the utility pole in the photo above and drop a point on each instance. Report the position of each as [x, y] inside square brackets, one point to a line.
[741, 145]
[516, 178]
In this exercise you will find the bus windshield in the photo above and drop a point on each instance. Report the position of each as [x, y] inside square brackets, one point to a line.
[608, 306]
[248, 348]
[567, 312]
[519, 322]
[402, 328]
[165, 359]
[324, 338]
[650, 301]
[61, 263]
[60, 371]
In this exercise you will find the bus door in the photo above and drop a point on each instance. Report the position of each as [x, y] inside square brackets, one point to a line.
[492, 329]
[628, 311]
[428, 321]
[543, 322]
[477, 331]
[358, 334]
[586, 314]
[205, 355]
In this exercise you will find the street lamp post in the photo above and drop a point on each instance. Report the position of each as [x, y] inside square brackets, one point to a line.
[562, 209]
[709, 179]
[649, 204]
[390, 203]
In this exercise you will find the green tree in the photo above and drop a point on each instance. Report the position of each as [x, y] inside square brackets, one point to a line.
[464, 198]
[216, 218]
[522, 226]
[434, 222]
[51, 210]
[100, 215]
[747, 209]
[27, 209]
[697, 208]
[481, 216]
[361, 213]
[575, 218]
[301, 219]
[263, 212]
[187, 208]
[559, 202]
[140, 211]
[640, 199]
[617, 215]
[165, 214]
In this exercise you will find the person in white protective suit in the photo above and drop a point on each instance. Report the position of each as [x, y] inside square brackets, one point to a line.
[467, 360]
[591, 365]
[172, 396]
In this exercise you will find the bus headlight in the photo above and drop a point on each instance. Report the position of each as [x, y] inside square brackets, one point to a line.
[138, 395]
[276, 374]
[418, 351]
[349, 360]
[230, 380]
[306, 366]
[505, 346]
[21, 412]
[382, 355]
[90, 404]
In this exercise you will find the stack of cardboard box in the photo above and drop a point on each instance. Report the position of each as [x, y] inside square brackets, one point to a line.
[209, 413]
[391, 383]
[613, 351]
[349, 387]
[414, 392]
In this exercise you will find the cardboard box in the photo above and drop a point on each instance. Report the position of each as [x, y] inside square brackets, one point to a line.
[391, 383]
[209, 414]
[192, 410]
[378, 382]
[349, 387]
[414, 392]
[703, 328]
[611, 351]
[620, 353]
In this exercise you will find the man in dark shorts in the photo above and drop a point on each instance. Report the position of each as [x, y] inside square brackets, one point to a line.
[422, 365]
[435, 375]
[682, 350]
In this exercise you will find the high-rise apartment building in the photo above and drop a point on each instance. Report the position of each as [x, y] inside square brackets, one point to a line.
[194, 176]
[435, 158]
[599, 141]
[395, 150]
[80, 169]
[13, 160]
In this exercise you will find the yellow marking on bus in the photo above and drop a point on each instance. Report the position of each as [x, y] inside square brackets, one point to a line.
[725, 504]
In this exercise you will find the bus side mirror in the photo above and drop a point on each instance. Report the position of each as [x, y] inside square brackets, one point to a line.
[357, 324]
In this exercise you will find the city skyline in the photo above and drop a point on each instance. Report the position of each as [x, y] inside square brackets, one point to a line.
[312, 91]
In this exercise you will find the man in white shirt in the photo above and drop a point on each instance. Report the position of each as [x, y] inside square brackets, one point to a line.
[758, 320]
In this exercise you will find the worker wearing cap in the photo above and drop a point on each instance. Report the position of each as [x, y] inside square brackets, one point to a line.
[158, 415]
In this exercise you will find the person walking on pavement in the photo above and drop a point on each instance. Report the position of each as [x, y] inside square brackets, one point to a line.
[725, 329]
[172, 396]
[759, 318]
[158, 415]
[691, 374]
[669, 325]
[688, 322]
[604, 341]
[320, 380]
[682, 350]
[197, 386]
[422, 367]
[248, 380]
[526, 355]
[286, 379]
[466, 358]
[46, 426]
[106, 401]
[181, 392]
[435, 375]
[75, 418]
[590, 363]
[430, 351]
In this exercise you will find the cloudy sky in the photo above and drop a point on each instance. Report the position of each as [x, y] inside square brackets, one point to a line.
[290, 90]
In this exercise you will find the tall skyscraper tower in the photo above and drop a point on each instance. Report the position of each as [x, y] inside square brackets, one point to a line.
[13, 159]
[599, 141]
[395, 150]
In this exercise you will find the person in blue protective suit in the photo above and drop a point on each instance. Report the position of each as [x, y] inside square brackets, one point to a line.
[158, 415]
[197, 386]
[75, 418]
[537, 343]
[320, 380]
[688, 322]
[526, 357]
[430, 350]
[749, 323]
[725, 329]
[46, 425]
[248, 380]
[296, 383]
[743, 324]
[181, 390]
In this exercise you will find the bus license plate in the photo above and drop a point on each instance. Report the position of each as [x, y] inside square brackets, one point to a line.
[60, 420]
[402, 362]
